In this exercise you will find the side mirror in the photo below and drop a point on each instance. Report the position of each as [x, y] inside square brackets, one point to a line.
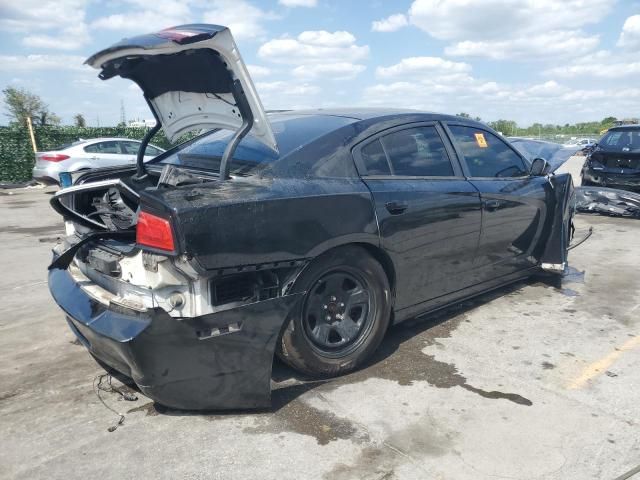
[539, 167]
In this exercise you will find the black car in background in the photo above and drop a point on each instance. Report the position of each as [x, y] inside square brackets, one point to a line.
[301, 233]
[615, 161]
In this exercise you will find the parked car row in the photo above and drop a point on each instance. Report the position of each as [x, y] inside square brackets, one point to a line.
[85, 155]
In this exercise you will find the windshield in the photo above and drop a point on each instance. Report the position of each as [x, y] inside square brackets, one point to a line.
[291, 131]
[621, 140]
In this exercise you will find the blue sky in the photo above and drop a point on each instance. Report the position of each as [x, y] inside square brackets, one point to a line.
[548, 61]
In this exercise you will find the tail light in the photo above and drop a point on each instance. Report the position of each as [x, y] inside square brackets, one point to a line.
[54, 157]
[155, 232]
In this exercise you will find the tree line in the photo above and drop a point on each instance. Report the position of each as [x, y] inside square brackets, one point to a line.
[511, 128]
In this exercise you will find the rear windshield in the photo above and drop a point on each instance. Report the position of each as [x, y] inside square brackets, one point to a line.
[621, 140]
[291, 132]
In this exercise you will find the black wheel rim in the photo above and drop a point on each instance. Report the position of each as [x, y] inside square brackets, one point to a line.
[338, 312]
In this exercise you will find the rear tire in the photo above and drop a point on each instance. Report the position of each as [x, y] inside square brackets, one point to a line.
[344, 315]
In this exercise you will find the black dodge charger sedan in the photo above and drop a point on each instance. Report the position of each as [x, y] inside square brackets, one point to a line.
[301, 233]
[615, 160]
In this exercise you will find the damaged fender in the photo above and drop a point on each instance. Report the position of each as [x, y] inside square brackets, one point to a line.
[554, 257]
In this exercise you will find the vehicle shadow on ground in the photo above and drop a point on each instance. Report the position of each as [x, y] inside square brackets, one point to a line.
[398, 358]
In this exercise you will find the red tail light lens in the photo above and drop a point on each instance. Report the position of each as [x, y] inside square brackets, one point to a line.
[153, 231]
[54, 157]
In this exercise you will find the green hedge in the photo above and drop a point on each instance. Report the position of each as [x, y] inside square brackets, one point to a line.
[16, 153]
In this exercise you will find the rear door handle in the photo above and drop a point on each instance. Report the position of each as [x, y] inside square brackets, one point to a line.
[491, 205]
[396, 208]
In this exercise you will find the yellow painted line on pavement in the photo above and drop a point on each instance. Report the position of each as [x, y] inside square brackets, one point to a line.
[600, 366]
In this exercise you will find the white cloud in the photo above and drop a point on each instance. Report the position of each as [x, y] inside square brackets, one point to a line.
[436, 84]
[47, 24]
[549, 44]
[243, 18]
[149, 16]
[14, 63]
[329, 71]
[501, 29]
[287, 88]
[71, 38]
[420, 66]
[38, 15]
[258, 71]
[314, 46]
[630, 36]
[611, 70]
[288, 94]
[390, 24]
[298, 3]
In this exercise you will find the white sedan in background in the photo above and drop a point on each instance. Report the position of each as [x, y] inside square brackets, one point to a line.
[88, 154]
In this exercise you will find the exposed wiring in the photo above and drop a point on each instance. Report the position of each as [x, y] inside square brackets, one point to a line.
[581, 241]
[109, 388]
[222, 99]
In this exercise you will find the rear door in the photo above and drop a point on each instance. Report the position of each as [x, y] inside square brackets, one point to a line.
[429, 215]
[105, 154]
[513, 202]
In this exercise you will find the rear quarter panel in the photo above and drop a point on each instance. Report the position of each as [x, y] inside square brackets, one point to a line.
[249, 222]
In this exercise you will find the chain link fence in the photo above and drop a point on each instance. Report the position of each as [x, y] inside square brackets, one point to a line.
[16, 153]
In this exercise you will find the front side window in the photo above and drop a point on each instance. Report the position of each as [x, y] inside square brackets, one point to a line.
[103, 147]
[487, 155]
[417, 152]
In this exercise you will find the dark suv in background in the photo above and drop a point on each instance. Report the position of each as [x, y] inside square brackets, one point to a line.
[615, 161]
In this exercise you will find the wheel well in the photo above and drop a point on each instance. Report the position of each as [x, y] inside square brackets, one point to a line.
[383, 259]
[377, 253]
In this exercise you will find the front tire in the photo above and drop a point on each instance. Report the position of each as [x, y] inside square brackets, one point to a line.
[344, 315]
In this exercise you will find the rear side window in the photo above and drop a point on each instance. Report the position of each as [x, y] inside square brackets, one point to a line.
[103, 147]
[417, 152]
[487, 155]
[374, 159]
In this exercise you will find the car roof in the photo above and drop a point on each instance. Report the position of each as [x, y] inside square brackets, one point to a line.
[108, 139]
[625, 127]
[372, 113]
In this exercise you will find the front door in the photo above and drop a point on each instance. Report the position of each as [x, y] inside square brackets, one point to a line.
[428, 214]
[513, 202]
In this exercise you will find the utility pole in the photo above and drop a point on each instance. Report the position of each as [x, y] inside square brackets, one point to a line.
[123, 116]
[31, 135]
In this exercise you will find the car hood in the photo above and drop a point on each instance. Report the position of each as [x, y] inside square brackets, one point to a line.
[554, 153]
[186, 74]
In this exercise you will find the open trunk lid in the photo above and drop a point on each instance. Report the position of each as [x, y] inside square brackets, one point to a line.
[189, 75]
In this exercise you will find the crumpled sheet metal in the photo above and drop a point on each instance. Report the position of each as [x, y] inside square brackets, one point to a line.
[608, 201]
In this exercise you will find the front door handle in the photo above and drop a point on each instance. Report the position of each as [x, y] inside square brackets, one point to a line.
[492, 205]
[396, 208]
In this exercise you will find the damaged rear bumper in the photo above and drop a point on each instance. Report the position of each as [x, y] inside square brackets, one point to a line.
[626, 181]
[217, 361]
